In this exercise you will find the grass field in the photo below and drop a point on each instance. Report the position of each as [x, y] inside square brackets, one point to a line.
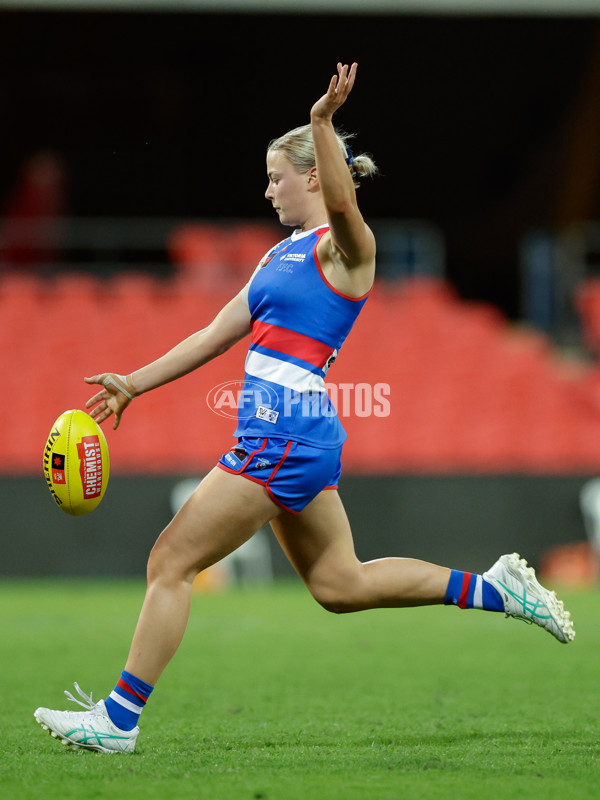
[271, 697]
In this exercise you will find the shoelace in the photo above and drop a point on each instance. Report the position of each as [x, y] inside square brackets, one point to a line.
[89, 703]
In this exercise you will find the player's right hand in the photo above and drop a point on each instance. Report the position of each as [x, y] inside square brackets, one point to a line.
[337, 92]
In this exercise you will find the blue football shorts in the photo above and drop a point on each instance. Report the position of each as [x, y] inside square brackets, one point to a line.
[292, 473]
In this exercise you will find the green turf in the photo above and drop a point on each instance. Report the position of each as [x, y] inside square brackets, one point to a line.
[271, 697]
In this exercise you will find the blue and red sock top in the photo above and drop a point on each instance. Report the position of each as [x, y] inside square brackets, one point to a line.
[468, 590]
[127, 700]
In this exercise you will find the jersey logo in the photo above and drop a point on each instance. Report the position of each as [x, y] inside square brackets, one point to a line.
[265, 260]
[267, 414]
[270, 256]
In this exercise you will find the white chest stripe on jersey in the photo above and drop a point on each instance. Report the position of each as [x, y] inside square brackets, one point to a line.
[283, 373]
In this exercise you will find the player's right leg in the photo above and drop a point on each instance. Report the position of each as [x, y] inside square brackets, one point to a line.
[223, 513]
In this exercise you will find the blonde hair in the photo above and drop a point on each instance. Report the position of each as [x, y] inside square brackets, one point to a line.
[298, 147]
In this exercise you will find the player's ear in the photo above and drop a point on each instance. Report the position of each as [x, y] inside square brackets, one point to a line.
[312, 178]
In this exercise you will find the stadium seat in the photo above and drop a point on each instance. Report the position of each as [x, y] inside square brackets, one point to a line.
[249, 243]
[201, 252]
[587, 302]
[466, 391]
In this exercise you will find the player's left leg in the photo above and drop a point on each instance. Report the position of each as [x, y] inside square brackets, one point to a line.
[318, 542]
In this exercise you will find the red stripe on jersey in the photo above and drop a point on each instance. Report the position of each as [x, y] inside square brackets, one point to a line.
[464, 592]
[291, 343]
[128, 689]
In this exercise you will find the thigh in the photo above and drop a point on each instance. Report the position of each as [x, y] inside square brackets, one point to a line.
[223, 512]
[318, 541]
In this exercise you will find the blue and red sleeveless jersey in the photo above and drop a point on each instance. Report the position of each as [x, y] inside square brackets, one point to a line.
[299, 323]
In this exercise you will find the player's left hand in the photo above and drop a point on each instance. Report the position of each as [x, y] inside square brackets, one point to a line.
[336, 95]
[114, 398]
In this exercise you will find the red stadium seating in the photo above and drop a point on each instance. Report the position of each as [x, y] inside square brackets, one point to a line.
[217, 257]
[587, 300]
[467, 392]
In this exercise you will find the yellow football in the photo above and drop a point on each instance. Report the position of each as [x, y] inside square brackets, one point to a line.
[76, 463]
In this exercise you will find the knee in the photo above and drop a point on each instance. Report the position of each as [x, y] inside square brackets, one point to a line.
[156, 567]
[338, 596]
[164, 566]
[336, 605]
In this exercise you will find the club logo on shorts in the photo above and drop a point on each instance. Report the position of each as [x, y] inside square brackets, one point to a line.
[236, 456]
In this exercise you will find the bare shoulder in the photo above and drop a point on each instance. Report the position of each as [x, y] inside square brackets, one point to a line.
[350, 275]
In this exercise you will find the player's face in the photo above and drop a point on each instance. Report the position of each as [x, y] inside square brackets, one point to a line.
[287, 189]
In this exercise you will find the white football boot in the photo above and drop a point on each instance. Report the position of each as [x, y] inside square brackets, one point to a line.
[92, 729]
[525, 598]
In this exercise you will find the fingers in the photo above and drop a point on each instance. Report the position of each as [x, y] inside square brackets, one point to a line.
[96, 378]
[96, 399]
[101, 412]
[331, 89]
[109, 400]
[100, 400]
[345, 79]
[340, 86]
[352, 76]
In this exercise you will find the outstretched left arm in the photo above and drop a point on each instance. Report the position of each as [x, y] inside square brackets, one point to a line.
[350, 236]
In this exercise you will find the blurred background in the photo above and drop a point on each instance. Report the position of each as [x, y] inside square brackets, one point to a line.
[132, 207]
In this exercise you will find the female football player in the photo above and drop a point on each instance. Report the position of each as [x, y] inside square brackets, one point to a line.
[298, 306]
